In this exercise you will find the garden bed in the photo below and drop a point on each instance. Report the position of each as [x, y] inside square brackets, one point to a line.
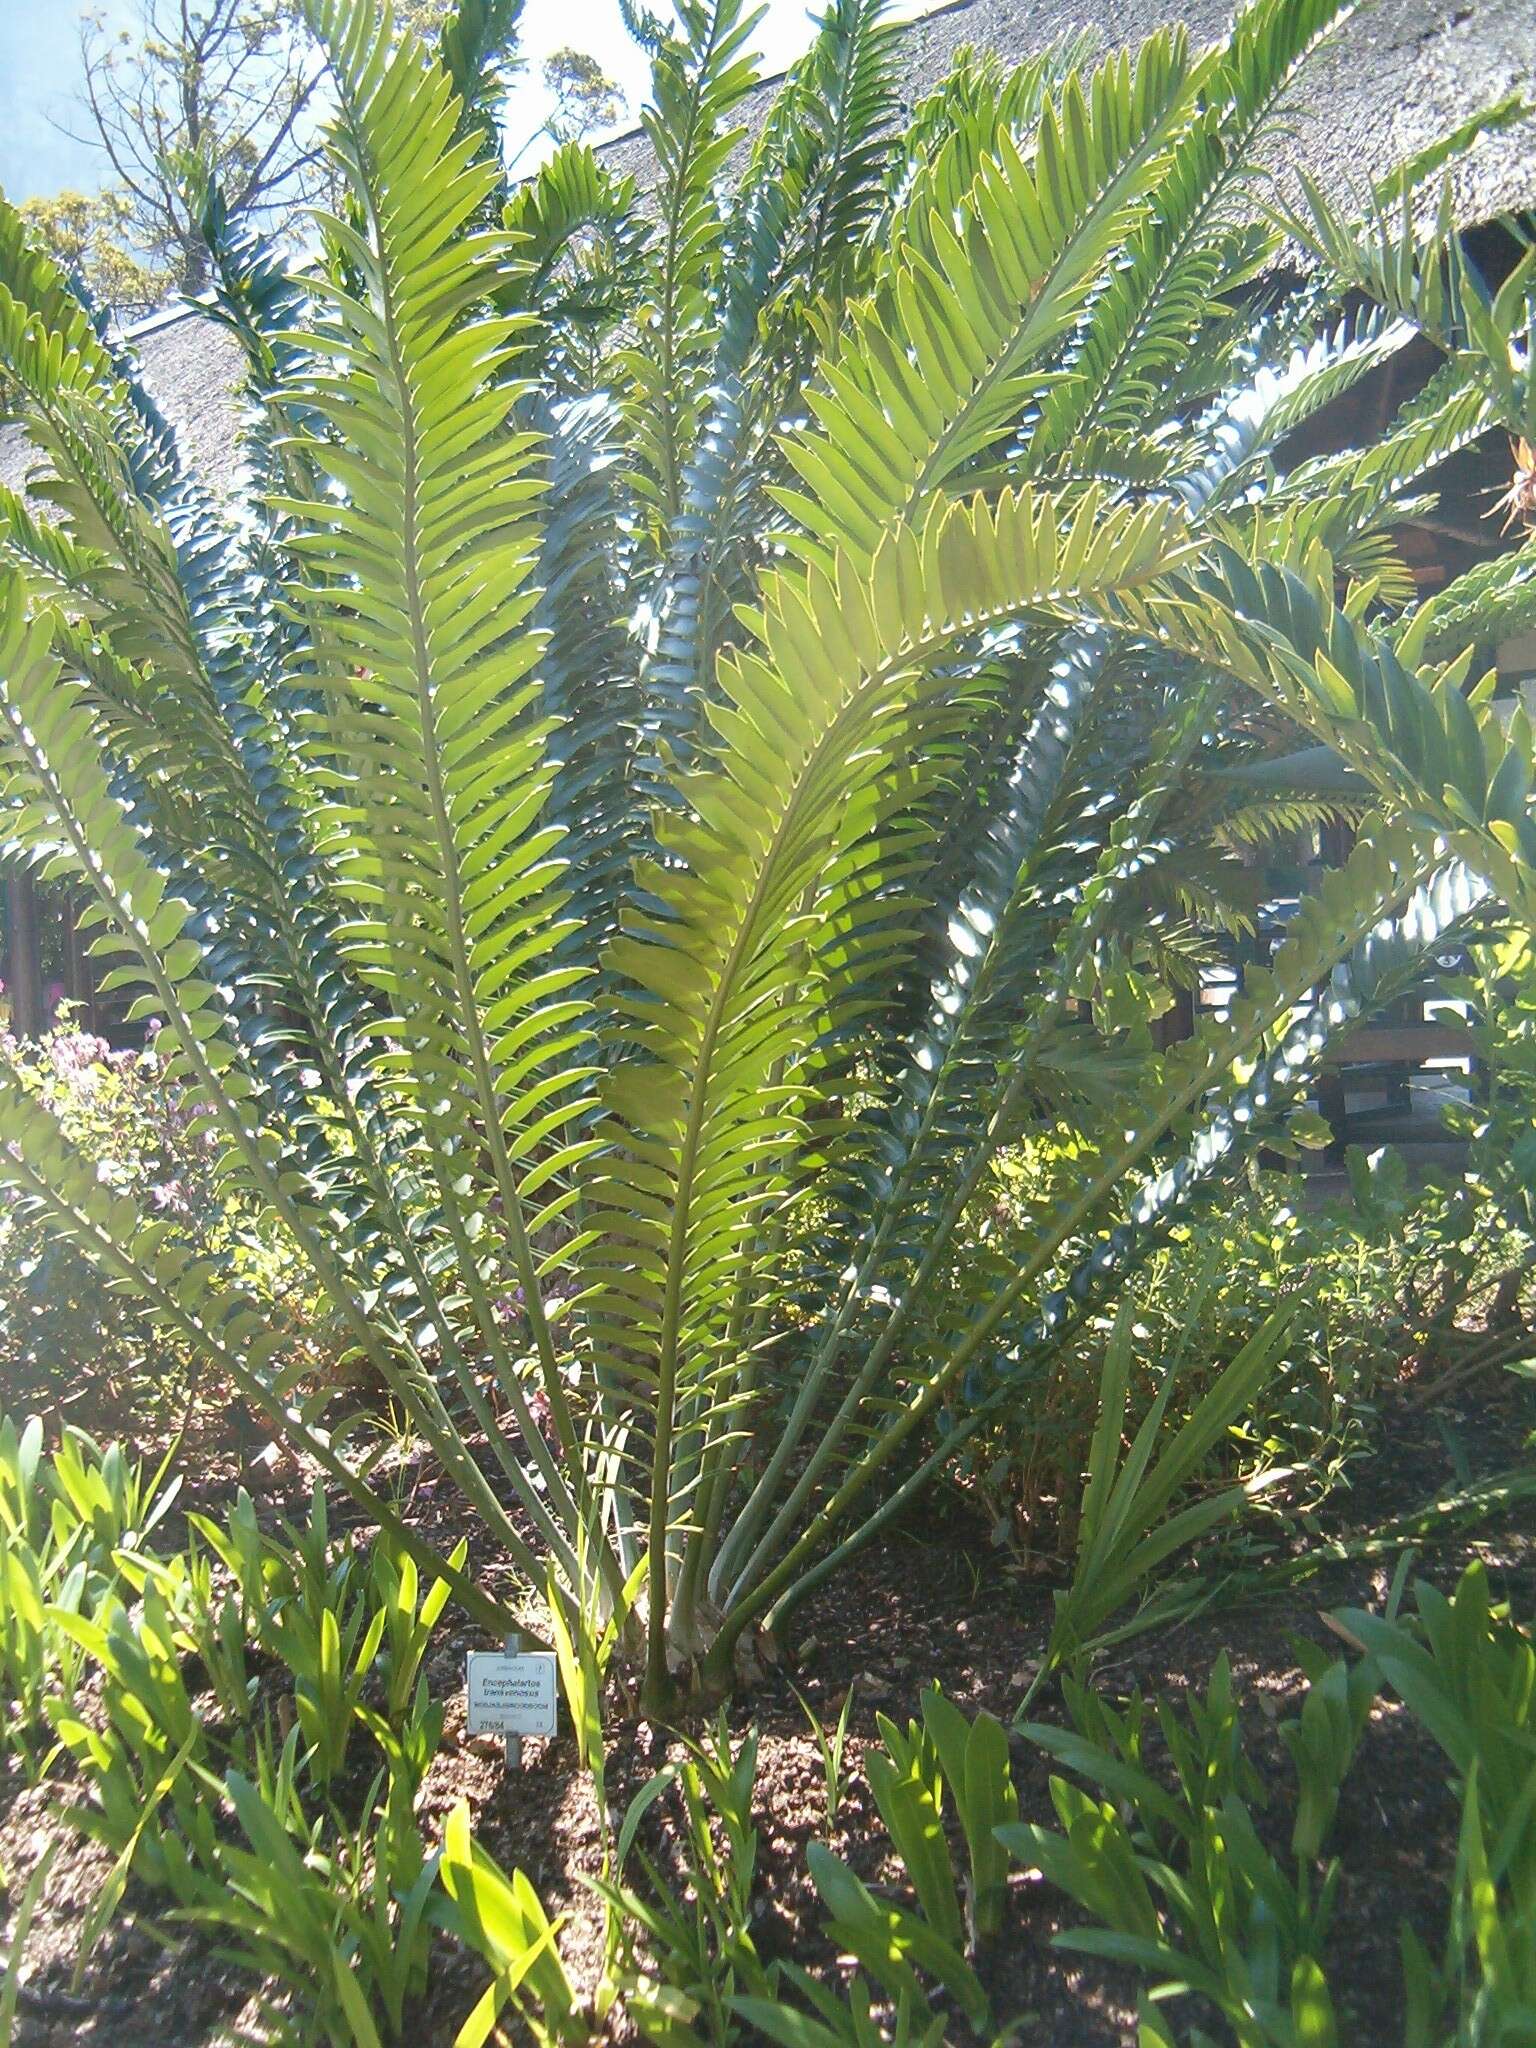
[927, 1605]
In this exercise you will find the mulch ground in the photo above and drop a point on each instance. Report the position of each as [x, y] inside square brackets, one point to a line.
[931, 1603]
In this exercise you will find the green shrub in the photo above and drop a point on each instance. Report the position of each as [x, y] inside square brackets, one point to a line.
[1465, 1669]
[1373, 1282]
[1181, 1883]
[699, 739]
[683, 1949]
[503, 1920]
[1178, 1883]
[682, 1962]
[67, 1335]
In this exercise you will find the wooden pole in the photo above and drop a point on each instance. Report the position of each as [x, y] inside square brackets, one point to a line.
[24, 967]
[78, 979]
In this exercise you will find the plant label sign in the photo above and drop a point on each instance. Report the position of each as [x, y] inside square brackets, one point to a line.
[511, 1692]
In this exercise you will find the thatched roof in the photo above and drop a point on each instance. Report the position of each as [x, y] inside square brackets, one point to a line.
[1396, 76]
[192, 368]
[1400, 73]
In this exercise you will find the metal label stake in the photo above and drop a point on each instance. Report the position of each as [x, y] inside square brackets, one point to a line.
[512, 1692]
[513, 1645]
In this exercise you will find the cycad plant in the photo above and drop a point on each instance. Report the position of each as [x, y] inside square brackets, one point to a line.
[712, 718]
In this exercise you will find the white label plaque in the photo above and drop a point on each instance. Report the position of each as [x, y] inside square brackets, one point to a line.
[511, 1693]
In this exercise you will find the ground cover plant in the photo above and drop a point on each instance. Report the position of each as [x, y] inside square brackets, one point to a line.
[656, 832]
[1209, 1880]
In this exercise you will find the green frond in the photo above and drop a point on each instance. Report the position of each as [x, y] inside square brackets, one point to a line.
[1376, 910]
[477, 48]
[959, 124]
[427, 553]
[581, 250]
[1374, 968]
[1489, 602]
[722, 1009]
[832, 139]
[150, 565]
[1279, 401]
[191, 1297]
[698, 79]
[1408, 734]
[55, 565]
[950, 350]
[1421, 272]
[989, 923]
[254, 295]
[420, 563]
[795, 244]
[590, 690]
[67, 815]
[1449, 414]
[1267, 820]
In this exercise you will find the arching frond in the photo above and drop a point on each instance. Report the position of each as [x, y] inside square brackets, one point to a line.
[581, 250]
[420, 606]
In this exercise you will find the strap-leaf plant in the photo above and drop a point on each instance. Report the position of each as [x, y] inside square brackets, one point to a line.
[696, 741]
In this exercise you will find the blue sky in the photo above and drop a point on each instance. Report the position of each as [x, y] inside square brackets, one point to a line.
[39, 67]
[40, 72]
